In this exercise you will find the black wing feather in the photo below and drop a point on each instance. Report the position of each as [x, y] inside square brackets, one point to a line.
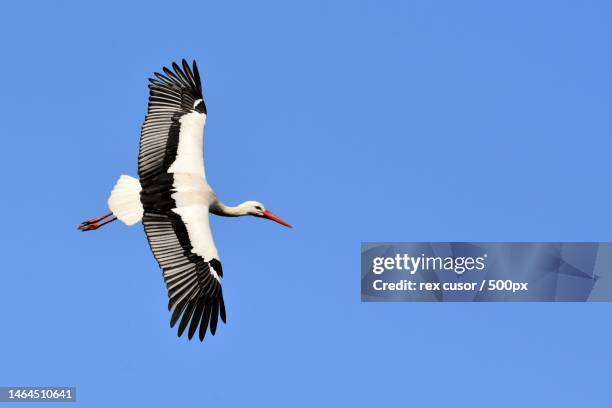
[197, 316]
[205, 320]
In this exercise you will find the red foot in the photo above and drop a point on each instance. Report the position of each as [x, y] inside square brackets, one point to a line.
[89, 227]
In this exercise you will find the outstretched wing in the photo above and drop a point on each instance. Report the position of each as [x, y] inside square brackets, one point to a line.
[194, 285]
[172, 134]
[175, 199]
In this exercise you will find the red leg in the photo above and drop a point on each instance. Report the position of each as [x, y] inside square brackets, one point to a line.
[91, 225]
[98, 219]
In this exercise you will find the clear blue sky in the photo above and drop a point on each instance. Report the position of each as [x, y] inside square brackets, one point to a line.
[355, 121]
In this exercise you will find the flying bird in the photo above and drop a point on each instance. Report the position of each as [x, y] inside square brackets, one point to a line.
[173, 200]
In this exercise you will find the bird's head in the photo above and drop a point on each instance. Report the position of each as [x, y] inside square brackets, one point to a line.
[257, 209]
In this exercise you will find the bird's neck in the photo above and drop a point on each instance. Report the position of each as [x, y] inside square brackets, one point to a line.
[219, 208]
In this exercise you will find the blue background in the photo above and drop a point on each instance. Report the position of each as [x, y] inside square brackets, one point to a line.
[355, 121]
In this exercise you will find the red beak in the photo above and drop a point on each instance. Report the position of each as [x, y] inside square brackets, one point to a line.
[273, 217]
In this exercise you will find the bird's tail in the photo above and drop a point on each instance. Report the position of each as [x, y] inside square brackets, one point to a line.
[124, 200]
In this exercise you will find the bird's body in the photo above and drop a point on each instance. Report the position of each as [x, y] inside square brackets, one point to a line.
[173, 200]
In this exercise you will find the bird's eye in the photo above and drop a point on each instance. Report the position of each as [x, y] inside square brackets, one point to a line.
[258, 207]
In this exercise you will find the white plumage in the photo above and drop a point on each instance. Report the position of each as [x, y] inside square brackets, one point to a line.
[124, 200]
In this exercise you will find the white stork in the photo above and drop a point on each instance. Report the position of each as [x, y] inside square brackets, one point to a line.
[173, 200]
